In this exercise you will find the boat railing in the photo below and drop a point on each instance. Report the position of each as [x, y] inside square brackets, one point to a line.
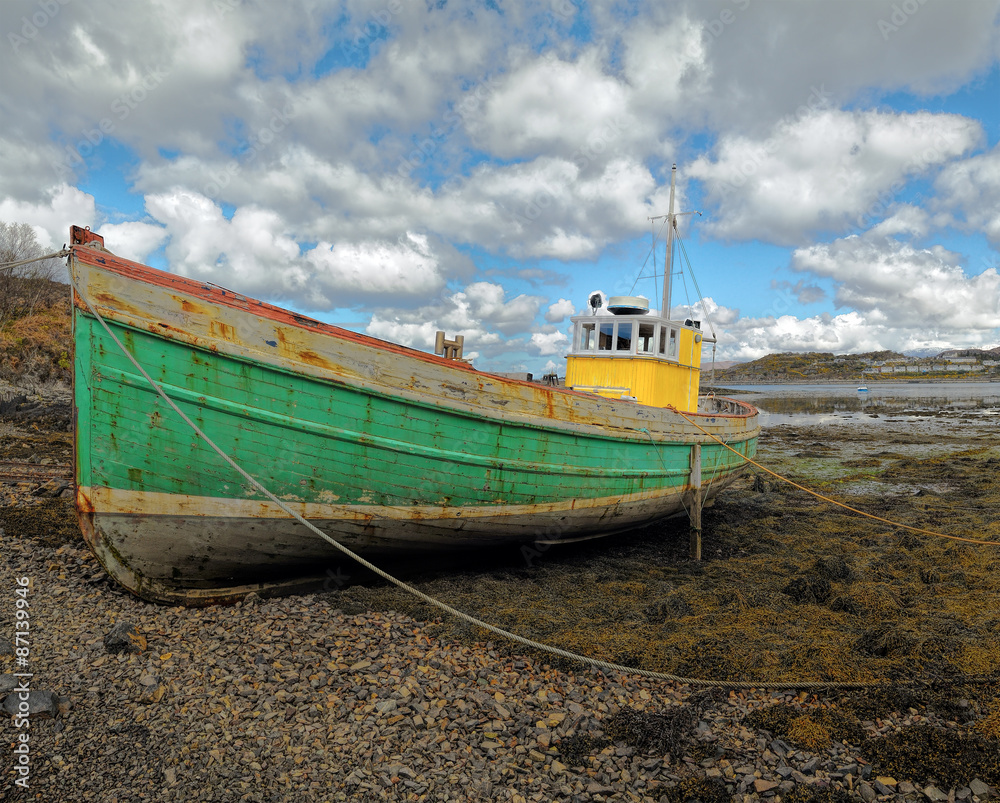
[720, 404]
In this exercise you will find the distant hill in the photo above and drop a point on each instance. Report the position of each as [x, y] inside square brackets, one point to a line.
[820, 366]
[982, 354]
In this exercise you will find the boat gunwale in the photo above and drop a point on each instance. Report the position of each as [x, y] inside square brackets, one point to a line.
[102, 259]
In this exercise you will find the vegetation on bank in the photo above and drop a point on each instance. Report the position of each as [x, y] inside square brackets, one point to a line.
[36, 344]
[36, 348]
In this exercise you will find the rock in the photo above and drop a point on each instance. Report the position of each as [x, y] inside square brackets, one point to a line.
[7, 683]
[934, 794]
[761, 786]
[41, 704]
[980, 790]
[866, 792]
[6, 647]
[124, 637]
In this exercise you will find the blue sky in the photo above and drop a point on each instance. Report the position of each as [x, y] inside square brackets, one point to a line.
[481, 167]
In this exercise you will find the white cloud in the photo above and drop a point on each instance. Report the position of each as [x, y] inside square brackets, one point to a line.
[407, 266]
[461, 130]
[550, 343]
[560, 311]
[62, 206]
[480, 312]
[752, 338]
[133, 240]
[826, 170]
[907, 287]
[972, 187]
[554, 107]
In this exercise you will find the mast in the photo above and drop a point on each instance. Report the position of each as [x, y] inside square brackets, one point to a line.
[668, 261]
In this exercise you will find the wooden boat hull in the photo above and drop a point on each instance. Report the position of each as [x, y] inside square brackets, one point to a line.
[384, 448]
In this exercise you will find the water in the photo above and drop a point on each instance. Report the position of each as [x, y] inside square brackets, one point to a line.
[883, 403]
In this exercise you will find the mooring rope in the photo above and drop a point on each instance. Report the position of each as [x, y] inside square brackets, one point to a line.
[514, 637]
[54, 255]
[832, 501]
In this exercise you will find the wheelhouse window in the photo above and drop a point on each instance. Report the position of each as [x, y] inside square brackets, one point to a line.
[587, 340]
[606, 336]
[646, 334]
[672, 350]
[624, 340]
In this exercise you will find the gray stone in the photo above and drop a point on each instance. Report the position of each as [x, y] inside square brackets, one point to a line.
[866, 792]
[41, 704]
[980, 790]
[810, 766]
[934, 794]
[7, 683]
[6, 647]
[124, 637]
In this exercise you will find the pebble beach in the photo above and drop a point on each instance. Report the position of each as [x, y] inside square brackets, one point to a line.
[291, 699]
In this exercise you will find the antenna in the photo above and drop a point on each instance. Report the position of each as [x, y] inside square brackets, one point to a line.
[668, 259]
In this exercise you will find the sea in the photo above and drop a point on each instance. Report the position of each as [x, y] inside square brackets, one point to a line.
[843, 403]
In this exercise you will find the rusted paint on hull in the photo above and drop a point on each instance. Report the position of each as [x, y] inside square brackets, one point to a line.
[217, 554]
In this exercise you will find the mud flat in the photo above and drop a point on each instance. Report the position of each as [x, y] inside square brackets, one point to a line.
[358, 692]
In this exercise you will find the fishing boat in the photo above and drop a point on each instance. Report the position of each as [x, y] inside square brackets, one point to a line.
[387, 449]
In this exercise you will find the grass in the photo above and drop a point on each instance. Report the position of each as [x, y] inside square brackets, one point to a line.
[36, 346]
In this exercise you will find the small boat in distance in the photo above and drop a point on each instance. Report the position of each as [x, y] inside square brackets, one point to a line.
[387, 449]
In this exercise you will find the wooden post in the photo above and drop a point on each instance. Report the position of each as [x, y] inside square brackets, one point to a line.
[695, 514]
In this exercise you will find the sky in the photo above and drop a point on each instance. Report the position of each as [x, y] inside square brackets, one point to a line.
[402, 166]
